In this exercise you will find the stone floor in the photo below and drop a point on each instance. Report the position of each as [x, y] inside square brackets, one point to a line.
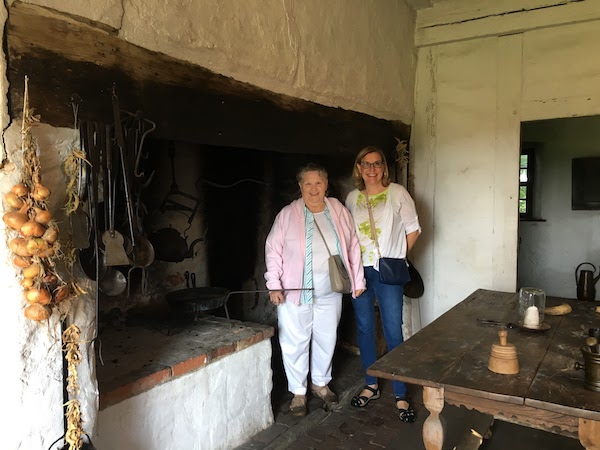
[376, 426]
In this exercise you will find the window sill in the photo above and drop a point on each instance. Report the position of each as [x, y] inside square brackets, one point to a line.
[526, 219]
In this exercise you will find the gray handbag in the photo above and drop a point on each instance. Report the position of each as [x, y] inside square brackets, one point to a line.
[338, 275]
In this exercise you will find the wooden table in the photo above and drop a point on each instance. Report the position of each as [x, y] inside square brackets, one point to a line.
[449, 358]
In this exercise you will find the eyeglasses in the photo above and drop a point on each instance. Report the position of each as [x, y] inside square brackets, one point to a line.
[376, 164]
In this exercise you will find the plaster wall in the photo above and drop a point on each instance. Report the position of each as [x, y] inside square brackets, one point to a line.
[216, 407]
[471, 97]
[548, 255]
[353, 54]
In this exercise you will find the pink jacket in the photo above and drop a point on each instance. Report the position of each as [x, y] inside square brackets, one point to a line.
[286, 246]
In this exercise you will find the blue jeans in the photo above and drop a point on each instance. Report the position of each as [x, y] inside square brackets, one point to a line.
[390, 299]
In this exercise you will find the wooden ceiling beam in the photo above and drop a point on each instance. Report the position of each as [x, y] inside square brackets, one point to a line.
[63, 56]
[460, 20]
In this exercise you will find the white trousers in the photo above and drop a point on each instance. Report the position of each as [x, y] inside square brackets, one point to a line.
[308, 333]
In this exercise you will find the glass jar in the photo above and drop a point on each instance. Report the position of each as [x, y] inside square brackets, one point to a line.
[532, 302]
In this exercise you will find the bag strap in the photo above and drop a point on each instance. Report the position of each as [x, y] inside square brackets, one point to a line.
[321, 233]
[373, 230]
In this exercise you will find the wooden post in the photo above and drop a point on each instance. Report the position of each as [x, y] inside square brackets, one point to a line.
[589, 434]
[433, 429]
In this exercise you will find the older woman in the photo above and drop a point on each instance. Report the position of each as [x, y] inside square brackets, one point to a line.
[296, 257]
[396, 228]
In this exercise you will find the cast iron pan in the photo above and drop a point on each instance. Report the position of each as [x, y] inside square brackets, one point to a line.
[196, 299]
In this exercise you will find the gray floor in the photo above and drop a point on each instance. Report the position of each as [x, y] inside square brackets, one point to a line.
[376, 426]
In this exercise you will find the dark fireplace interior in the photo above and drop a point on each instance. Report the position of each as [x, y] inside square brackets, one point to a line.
[238, 192]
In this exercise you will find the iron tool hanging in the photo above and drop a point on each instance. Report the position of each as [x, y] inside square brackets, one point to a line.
[177, 200]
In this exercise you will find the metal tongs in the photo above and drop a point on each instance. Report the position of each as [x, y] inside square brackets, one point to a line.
[497, 323]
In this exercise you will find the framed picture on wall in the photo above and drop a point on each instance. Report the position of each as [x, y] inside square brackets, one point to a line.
[585, 183]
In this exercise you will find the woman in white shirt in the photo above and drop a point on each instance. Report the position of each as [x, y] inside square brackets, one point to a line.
[397, 229]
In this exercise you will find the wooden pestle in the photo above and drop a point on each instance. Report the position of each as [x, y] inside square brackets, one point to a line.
[503, 334]
[503, 358]
[593, 345]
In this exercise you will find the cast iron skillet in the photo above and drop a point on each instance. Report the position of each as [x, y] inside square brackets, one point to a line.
[192, 300]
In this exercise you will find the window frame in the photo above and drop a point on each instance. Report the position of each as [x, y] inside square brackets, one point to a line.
[529, 151]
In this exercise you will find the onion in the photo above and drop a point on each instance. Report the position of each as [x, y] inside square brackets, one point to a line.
[32, 228]
[47, 253]
[61, 293]
[33, 270]
[40, 193]
[13, 200]
[15, 219]
[20, 190]
[51, 279]
[50, 235]
[41, 296]
[19, 247]
[42, 216]
[21, 261]
[27, 283]
[37, 312]
[36, 245]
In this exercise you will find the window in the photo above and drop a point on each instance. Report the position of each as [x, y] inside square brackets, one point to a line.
[526, 183]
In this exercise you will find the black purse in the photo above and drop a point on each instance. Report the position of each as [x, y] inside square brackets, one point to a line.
[415, 287]
[391, 270]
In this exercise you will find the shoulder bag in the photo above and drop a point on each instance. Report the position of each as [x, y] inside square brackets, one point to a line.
[338, 275]
[391, 270]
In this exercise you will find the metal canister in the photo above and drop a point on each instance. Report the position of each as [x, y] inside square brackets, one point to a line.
[592, 369]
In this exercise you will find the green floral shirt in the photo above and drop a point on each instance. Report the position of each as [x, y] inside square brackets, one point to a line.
[363, 223]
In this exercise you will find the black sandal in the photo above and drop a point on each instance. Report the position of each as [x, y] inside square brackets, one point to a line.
[405, 415]
[360, 401]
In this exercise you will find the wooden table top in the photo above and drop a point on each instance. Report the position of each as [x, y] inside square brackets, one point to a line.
[453, 352]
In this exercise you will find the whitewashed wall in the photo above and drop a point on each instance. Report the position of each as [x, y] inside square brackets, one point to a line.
[550, 251]
[216, 407]
[471, 96]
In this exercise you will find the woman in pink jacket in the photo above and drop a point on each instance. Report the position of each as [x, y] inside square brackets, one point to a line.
[297, 250]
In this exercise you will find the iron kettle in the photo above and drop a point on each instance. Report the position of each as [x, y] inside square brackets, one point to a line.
[586, 283]
[171, 246]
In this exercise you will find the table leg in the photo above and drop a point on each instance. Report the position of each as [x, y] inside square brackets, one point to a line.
[589, 434]
[433, 429]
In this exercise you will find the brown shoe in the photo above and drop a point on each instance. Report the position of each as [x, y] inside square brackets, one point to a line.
[298, 406]
[325, 394]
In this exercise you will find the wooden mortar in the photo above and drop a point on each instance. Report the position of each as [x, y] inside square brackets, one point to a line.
[503, 358]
